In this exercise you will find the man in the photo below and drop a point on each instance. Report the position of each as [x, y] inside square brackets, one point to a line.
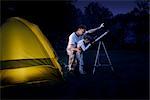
[74, 38]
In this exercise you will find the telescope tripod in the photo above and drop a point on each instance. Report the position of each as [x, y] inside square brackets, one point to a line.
[97, 59]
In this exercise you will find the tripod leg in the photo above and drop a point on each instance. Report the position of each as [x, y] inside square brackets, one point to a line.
[97, 54]
[107, 56]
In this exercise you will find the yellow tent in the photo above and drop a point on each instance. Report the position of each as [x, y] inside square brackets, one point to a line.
[26, 56]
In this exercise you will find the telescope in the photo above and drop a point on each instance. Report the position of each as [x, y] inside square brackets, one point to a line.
[97, 39]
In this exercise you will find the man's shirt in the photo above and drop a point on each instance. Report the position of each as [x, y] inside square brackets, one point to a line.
[74, 39]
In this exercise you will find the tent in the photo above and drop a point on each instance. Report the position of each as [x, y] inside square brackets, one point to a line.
[26, 56]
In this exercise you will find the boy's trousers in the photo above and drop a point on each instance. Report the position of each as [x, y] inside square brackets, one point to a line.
[79, 57]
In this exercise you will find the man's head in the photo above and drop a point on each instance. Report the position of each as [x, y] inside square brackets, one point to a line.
[81, 30]
[87, 39]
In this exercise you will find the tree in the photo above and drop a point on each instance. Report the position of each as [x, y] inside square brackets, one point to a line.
[96, 14]
[131, 30]
[56, 19]
[141, 17]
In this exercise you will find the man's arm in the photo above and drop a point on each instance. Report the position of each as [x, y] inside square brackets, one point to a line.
[95, 29]
[71, 44]
[73, 48]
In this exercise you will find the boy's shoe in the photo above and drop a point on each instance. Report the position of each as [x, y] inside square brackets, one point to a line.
[71, 69]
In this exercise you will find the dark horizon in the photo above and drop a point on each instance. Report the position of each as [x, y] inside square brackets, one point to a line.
[116, 6]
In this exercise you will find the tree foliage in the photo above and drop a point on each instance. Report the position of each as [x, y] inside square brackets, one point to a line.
[59, 19]
[96, 14]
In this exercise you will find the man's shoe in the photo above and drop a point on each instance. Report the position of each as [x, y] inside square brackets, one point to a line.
[83, 73]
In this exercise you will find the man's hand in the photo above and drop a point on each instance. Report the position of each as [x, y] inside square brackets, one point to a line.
[78, 50]
[102, 25]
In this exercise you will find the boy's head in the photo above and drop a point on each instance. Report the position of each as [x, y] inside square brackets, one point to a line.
[81, 30]
[87, 39]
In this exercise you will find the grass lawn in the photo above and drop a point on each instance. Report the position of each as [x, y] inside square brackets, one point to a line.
[130, 80]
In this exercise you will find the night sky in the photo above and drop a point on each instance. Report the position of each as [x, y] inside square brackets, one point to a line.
[116, 6]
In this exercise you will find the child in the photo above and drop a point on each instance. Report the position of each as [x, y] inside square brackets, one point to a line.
[83, 45]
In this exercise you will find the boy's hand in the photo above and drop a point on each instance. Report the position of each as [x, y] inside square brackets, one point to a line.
[92, 43]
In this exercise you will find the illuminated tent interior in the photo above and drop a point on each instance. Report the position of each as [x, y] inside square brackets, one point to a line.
[26, 56]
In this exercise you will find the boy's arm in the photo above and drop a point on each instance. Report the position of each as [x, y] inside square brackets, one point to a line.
[87, 46]
[83, 48]
[95, 29]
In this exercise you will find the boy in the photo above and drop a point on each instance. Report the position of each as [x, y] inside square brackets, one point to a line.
[83, 45]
